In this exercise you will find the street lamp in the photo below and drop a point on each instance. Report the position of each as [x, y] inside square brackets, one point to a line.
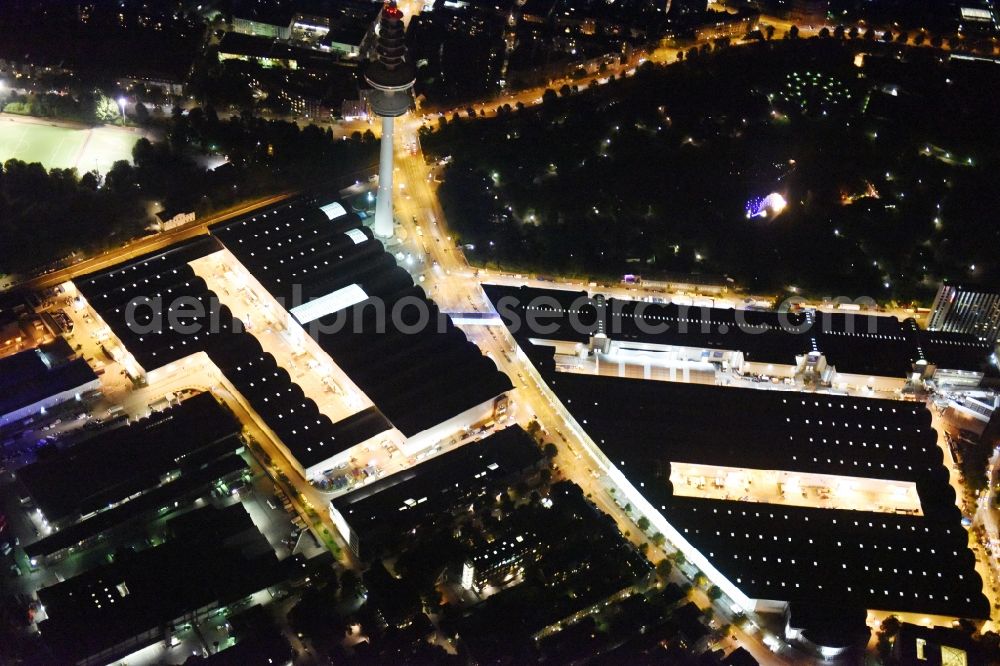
[121, 105]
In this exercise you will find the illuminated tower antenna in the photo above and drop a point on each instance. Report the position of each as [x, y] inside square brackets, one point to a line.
[391, 75]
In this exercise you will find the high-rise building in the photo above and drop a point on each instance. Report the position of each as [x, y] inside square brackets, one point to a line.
[391, 75]
[968, 309]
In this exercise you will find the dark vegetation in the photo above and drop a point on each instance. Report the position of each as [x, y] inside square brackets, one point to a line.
[51, 215]
[891, 178]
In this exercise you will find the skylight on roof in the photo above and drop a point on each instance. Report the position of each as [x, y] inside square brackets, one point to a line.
[976, 14]
[332, 302]
[357, 236]
[333, 210]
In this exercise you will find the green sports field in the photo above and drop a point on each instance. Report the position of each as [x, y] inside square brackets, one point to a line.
[64, 147]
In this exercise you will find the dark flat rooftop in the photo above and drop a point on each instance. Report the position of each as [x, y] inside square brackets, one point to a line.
[418, 375]
[854, 343]
[958, 351]
[195, 481]
[160, 277]
[875, 560]
[28, 377]
[395, 503]
[113, 466]
[156, 586]
[658, 422]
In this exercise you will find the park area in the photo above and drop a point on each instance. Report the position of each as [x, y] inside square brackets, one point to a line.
[822, 167]
[64, 146]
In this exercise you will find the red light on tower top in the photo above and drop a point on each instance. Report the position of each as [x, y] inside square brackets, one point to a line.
[391, 11]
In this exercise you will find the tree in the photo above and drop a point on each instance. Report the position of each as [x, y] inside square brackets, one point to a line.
[350, 584]
[658, 540]
[663, 568]
[90, 180]
[679, 558]
[903, 37]
[534, 427]
[141, 113]
[714, 593]
[549, 96]
[793, 32]
[120, 179]
[890, 626]
[680, 55]
[106, 110]
[870, 34]
[643, 523]
[471, 112]
[550, 450]
[853, 32]
[967, 627]
[887, 633]
[143, 152]
[937, 41]
[887, 37]
[769, 32]
[838, 32]
[700, 579]
[824, 33]
[919, 38]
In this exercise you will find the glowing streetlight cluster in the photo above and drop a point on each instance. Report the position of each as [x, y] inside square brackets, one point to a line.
[814, 93]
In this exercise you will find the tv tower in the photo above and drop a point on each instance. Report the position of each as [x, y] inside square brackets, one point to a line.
[391, 76]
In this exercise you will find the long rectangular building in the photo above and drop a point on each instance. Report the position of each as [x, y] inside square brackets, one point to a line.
[347, 292]
[38, 379]
[419, 377]
[769, 548]
[215, 557]
[841, 348]
[377, 514]
[112, 468]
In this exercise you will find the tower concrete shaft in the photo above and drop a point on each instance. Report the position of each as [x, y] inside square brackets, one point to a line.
[383, 205]
[391, 76]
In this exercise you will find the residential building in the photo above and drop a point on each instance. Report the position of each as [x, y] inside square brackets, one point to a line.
[966, 308]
